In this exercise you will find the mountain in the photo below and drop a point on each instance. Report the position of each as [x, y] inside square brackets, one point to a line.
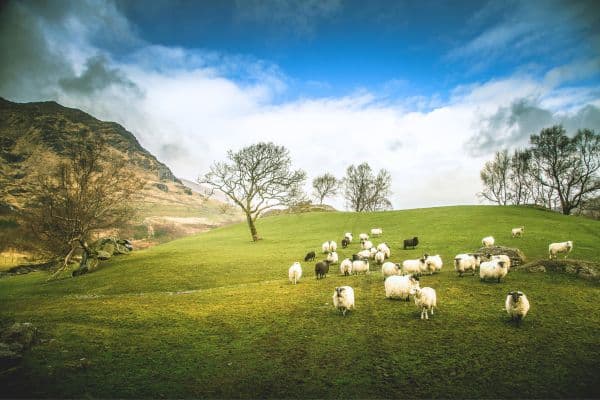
[27, 128]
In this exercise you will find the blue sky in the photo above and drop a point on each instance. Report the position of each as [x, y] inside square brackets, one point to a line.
[425, 89]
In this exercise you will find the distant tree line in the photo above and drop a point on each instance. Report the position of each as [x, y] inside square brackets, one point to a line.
[556, 171]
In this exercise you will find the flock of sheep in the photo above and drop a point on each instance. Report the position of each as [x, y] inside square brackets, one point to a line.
[402, 280]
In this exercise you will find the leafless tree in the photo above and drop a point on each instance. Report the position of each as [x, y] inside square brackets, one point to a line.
[495, 175]
[364, 191]
[257, 178]
[520, 179]
[325, 185]
[71, 198]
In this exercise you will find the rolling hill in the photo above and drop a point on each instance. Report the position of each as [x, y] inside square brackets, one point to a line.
[213, 315]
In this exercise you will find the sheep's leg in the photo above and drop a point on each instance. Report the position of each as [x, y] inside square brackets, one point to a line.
[431, 310]
[426, 315]
[344, 311]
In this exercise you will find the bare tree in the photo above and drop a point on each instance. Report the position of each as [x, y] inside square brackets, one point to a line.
[494, 176]
[256, 178]
[567, 166]
[71, 198]
[325, 185]
[520, 179]
[364, 191]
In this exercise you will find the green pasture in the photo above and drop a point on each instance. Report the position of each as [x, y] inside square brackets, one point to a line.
[214, 316]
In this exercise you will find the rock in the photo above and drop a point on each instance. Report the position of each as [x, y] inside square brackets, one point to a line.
[162, 186]
[582, 269]
[23, 333]
[516, 256]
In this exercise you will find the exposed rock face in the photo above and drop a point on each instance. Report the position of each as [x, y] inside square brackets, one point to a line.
[14, 340]
[516, 256]
[582, 269]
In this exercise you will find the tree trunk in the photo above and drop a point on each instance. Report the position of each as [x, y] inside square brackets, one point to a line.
[252, 227]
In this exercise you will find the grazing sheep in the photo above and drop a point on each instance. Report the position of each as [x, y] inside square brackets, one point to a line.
[343, 299]
[379, 257]
[466, 262]
[332, 257]
[376, 232]
[367, 244]
[563, 247]
[494, 269]
[310, 256]
[399, 287]
[346, 267]
[321, 269]
[488, 241]
[364, 254]
[360, 266]
[411, 242]
[345, 243]
[383, 247]
[373, 251]
[389, 268]
[518, 232]
[356, 257]
[363, 237]
[425, 299]
[295, 272]
[329, 246]
[516, 305]
[502, 257]
[433, 263]
[413, 266]
[348, 236]
[325, 247]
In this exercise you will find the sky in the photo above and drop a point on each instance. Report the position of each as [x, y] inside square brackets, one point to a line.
[428, 90]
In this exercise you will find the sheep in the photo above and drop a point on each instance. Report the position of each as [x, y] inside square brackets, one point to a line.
[360, 266]
[332, 246]
[379, 257]
[399, 287]
[563, 247]
[367, 244]
[494, 269]
[343, 299]
[345, 243]
[502, 257]
[329, 246]
[411, 242]
[488, 241]
[310, 256]
[295, 272]
[383, 247]
[465, 262]
[517, 306]
[363, 237]
[518, 232]
[346, 267]
[375, 232]
[425, 299]
[413, 266]
[356, 257]
[321, 269]
[389, 268]
[332, 257]
[325, 247]
[364, 254]
[373, 251]
[348, 236]
[433, 263]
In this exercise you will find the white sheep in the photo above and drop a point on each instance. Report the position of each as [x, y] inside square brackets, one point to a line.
[332, 257]
[363, 237]
[379, 257]
[399, 287]
[389, 268]
[488, 241]
[425, 299]
[346, 267]
[332, 245]
[367, 244]
[466, 262]
[433, 263]
[494, 269]
[518, 232]
[360, 266]
[383, 247]
[503, 257]
[413, 266]
[295, 272]
[325, 247]
[348, 237]
[376, 232]
[517, 305]
[373, 251]
[562, 247]
[364, 254]
[343, 298]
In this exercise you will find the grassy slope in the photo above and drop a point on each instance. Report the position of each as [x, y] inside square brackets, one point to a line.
[214, 316]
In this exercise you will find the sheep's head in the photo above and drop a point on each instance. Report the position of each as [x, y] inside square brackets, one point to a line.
[415, 291]
[515, 296]
[502, 264]
[339, 290]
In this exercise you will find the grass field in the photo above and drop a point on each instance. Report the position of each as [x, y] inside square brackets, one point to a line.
[213, 315]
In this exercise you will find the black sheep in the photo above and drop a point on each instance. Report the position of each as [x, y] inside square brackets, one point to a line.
[411, 242]
[310, 256]
[345, 243]
[321, 269]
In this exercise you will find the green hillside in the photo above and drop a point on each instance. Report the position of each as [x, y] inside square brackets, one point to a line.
[213, 315]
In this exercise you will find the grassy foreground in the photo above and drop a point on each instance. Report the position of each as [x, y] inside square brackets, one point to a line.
[214, 315]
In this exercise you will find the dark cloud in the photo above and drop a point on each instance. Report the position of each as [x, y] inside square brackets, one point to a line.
[97, 76]
[512, 126]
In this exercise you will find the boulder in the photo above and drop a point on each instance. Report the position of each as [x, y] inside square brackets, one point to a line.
[22, 333]
[582, 269]
[516, 256]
